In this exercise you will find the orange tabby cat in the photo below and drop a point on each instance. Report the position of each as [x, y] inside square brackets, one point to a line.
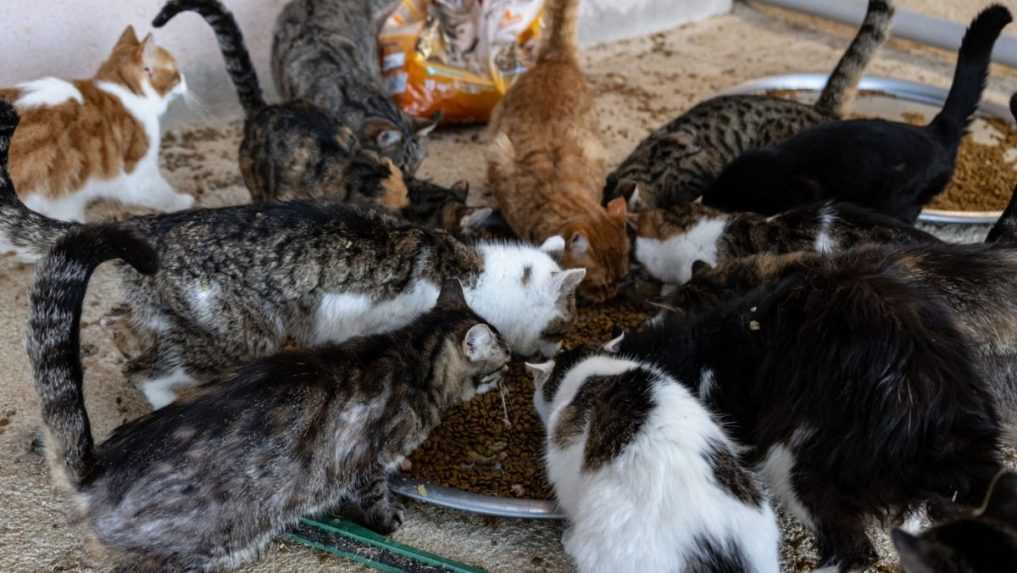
[81, 140]
[546, 163]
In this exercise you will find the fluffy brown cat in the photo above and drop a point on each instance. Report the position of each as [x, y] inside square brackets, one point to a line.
[546, 163]
[81, 140]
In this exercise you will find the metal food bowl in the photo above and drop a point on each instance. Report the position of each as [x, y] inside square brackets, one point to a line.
[916, 95]
[928, 99]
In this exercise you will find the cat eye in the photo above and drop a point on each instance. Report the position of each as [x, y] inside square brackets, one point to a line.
[389, 138]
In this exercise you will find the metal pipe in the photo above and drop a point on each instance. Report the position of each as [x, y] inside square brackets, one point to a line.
[906, 24]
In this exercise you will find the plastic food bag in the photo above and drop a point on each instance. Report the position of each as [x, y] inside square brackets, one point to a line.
[457, 57]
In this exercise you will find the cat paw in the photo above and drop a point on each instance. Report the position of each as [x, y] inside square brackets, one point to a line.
[388, 520]
[179, 202]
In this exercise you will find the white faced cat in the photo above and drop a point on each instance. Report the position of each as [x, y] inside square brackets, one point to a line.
[647, 477]
[96, 138]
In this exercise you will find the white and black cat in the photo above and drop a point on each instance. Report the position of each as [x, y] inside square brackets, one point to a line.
[646, 475]
[853, 381]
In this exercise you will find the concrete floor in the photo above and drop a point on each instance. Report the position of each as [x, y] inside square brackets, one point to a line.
[641, 84]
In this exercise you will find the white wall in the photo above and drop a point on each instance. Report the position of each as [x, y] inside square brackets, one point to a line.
[69, 38]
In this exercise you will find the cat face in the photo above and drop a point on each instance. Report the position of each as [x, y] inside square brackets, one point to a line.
[143, 67]
[602, 248]
[669, 241]
[526, 295]
[977, 544]
[476, 358]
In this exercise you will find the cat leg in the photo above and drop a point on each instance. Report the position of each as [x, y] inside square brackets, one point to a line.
[375, 505]
[840, 531]
[150, 189]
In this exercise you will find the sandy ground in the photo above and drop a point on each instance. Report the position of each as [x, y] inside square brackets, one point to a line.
[641, 83]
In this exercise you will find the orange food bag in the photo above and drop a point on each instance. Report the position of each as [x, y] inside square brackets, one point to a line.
[457, 57]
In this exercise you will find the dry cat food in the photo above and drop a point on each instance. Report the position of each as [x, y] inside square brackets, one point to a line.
[477, 450]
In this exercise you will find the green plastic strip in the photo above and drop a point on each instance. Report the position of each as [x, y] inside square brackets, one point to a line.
[362, 535]
[296, 537]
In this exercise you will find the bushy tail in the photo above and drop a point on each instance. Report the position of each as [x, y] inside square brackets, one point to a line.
[231, 42]
[561, 40]
[27, 233]
[1005, 229]
[840, 89]
[53, 346]
[971, 73]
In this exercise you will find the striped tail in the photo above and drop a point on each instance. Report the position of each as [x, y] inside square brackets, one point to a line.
[561, 38]
[61, 281]
[842, 86]
[231, 43]
[971, 74]
[27, 233]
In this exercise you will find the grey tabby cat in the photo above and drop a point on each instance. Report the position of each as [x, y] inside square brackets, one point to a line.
[294, 149]
[678, 162]
[326, 52]
[237, 283]
[206, 483]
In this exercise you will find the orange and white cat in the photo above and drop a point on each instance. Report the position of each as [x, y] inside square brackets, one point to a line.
[546, 162]
[81, 140]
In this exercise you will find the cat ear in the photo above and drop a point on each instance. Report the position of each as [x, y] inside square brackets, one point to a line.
[699, 267]
[569, 280]
[423, 128]
[614, 345]
[382, 132]
[128, 37]
[478, 342]
[451, 295]
[617, 209]
[554, 246]
[540, 372]
[915, 554]
[148, 49]
[578, 243]
[1002, 502]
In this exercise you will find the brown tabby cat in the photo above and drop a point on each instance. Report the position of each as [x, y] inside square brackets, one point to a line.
[546, 164]
[82, 140]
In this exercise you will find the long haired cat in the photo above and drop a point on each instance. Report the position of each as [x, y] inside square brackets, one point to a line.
[985, 542]
[546, 164]
[857, 386]
[678, 162]
[646, 475]
[294, 149]
[891, 167]
[237, 283]
[205, 484]
[669, 241]
[99, 138]
[326, 52]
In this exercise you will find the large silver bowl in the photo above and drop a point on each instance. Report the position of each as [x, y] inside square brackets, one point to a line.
[475, 503]
[901, 90]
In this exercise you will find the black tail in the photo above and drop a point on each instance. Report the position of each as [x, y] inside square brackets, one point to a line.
[843, 83]
[1005, 229]
[23, 231]
[971, 73]
[61, 281]
[231, 42]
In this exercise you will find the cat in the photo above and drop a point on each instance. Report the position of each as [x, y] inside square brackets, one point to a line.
[1005, 229]
[546, 162]
[670, 240]
[646, 475]
[851, 408]
[98, 138]
[326, 52]
[891, 167]
[678, 162]
[275, 440]
[237, 283]
[294, 149]
[982, 543]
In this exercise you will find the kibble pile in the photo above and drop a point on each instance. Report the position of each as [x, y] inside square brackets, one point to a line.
[983, 179]
[477, 449]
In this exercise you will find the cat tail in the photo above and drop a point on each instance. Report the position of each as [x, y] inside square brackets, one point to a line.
[61, 281]
[971, 74]
[561, 34]
[231, 43]
[1005, 229]
[27, 233]
[840, 89]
